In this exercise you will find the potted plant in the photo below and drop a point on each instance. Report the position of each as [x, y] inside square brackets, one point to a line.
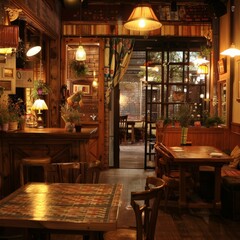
[40, 88]
[16, 109]
[79, 68]
[70, 112]
[213, 121]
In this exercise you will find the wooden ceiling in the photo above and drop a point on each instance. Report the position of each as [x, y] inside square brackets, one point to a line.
[110, 10]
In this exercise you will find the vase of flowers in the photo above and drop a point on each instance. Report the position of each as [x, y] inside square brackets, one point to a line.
[184, 117]
[70, 112]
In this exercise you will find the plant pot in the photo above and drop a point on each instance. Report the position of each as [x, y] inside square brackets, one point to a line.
[78, 128]
[5, 127]
[13, 125]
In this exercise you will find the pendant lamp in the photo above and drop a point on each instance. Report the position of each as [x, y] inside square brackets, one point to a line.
[232, 51]
[80, 53]
[142, 18]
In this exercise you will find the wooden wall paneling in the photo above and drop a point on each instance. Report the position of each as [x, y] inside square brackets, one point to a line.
[56, 143]
[217, 137]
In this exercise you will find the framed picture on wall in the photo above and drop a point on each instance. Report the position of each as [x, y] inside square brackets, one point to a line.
[81, 85]
[222, 66]
[8, 72]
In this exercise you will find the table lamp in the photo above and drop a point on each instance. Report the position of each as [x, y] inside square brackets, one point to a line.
[39, 105]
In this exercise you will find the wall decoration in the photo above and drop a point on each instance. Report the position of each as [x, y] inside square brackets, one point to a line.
[222, 66]
[85, 88]
[8, 72]
[2, 58]
[24, 78]
[6, 84]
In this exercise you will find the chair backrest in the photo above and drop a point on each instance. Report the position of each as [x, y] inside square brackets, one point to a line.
[91, 171]
[164, 160]
[123, 122]
[65, 172]
[146, 214]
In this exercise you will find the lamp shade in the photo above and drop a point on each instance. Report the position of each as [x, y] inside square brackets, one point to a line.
[202, 69]
[33, 51]
[142, 18]
[39, 105]
[200, 60]
[80, 54]
[232, 51]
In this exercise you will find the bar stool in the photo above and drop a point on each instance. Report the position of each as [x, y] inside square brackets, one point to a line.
[33, 162]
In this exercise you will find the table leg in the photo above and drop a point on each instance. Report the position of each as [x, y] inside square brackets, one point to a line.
[182, 187]
[217, 188]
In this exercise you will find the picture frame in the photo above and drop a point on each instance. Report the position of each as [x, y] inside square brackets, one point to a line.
[222, 66]
[81, 85]
[6, 84]
[7, 72]
[2, 58]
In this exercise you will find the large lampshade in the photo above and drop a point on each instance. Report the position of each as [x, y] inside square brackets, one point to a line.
[142, 18]
[232, 51]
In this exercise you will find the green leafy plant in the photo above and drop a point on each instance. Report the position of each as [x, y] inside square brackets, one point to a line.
[213, 121]
[184, 115]
[40, 88]
[79, 68]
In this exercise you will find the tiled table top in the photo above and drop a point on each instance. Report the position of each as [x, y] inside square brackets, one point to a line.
[63, 206]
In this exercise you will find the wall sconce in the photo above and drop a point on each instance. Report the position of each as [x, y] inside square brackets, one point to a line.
[232, 51]
[33, 51]
[39, 105]
[142, 18]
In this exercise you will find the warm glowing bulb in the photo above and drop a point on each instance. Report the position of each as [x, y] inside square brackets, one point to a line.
[80, 54]
[142, 23]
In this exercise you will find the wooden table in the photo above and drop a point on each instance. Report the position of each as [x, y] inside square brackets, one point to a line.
[62, 206]
[131, 125]
[195, 156]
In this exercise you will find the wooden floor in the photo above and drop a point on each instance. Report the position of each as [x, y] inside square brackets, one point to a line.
[172, 224]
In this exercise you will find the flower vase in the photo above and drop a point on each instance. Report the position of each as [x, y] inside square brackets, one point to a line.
[184, 132]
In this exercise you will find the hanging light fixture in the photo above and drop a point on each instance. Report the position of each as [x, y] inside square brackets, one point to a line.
[200, 60]
[202, 69]
[142, 18]
[8, 35]
[232, 51]
[80, 53]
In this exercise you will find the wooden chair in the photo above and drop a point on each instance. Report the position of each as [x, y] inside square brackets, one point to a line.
[145, 205]
[91, 171]
[30, 162]
[66, 172]
[169, 171]
[123, 128]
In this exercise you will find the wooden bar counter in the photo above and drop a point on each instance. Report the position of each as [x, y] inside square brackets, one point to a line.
[60, 145]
